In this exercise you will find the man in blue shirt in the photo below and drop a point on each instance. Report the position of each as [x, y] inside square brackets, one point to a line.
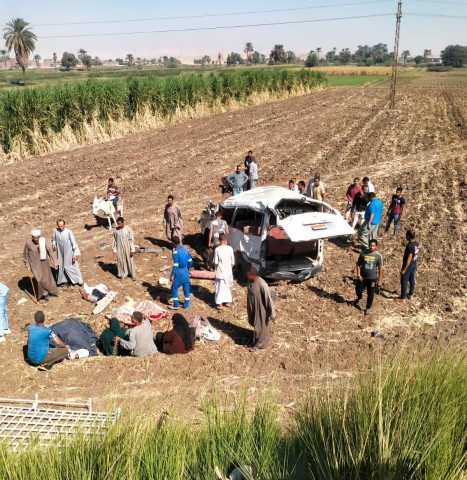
[373, 213]
[180, 276]
[237, 180]
[39, 339]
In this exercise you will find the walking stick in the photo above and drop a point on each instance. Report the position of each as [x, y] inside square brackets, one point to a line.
[32, 285]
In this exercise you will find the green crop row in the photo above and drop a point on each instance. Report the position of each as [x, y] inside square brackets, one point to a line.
[397, 420]
[39, 113]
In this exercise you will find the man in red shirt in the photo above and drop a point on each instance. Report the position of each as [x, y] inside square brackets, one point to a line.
[353, 189]
[396, 207]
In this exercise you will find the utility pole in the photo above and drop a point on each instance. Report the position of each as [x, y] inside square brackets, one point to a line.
[392, 93]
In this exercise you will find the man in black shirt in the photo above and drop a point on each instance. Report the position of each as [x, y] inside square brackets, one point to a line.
[369, 273]
[359, 203]
[409, 265]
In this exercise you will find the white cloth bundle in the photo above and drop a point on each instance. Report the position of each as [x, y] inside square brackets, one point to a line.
[42, 249]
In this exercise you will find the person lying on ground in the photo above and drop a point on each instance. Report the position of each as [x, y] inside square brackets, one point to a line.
[106, 342]
[178, 338]
[40, 339]
[79, 336]
[140, 341]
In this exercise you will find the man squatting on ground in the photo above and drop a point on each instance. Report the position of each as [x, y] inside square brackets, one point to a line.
[39, 338]
[369, 272]
[140, 341]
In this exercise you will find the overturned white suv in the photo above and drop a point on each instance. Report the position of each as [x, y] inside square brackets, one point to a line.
[278, 231]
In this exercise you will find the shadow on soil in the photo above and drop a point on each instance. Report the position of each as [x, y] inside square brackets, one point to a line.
[160, 243]
[335, 297]
[100, 222]
[108, 267]
[240, 335]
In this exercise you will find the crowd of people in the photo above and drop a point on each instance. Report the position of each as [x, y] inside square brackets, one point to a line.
[363, 210]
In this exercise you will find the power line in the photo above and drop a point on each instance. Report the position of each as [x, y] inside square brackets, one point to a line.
[219, 27]
[212, 14]
[435, 15]
[438, 2]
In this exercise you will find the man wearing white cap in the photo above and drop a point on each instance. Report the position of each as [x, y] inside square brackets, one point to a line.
[38, 258]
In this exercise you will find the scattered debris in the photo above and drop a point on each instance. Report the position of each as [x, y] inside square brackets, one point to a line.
[104, 303]
[142, 249]
[22, 300]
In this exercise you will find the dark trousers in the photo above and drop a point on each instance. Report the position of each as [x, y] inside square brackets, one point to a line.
[369, 285]
[408, 277]
[54, 355]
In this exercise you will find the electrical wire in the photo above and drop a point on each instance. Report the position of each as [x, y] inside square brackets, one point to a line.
[434, 15]
[219, 27]
[211, 15]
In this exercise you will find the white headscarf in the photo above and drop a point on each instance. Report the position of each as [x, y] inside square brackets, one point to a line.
[42, 249]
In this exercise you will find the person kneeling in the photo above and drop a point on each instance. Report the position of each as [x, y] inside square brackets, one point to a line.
[178, 338]
[40, 337]
[140, 341]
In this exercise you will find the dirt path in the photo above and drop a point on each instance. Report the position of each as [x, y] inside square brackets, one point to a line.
[319, 336]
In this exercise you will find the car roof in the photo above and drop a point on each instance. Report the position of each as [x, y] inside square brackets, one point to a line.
[262, 197]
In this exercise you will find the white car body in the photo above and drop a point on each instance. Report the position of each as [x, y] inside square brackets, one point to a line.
[278, 231]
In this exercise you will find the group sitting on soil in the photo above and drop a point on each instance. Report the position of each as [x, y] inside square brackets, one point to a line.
[72, 338]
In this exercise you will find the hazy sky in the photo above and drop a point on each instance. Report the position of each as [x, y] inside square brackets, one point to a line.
[417, 32]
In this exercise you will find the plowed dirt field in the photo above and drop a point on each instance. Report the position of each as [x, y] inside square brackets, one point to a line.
[319, 337]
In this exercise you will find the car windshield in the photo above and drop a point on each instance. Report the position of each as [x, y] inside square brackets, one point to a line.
[288, 207]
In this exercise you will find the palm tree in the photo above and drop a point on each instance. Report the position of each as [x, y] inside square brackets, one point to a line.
[318, 51]
[4, 56]
[248, 50]
[37, 59]
[20, 39]
[54, 59]
[130, 58]
[81, 53]
[405, 54]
